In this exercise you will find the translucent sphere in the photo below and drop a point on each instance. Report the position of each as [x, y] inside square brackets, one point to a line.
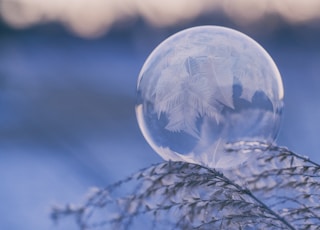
[207, 93]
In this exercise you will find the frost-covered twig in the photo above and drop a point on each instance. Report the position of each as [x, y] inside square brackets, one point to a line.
[275, 189]
[287, 182]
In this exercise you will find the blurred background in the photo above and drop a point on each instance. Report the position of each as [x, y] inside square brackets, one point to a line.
[68, 72]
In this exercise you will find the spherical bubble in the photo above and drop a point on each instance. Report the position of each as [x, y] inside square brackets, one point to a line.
[206, 92]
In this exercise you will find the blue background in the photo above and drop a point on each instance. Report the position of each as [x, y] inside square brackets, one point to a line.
[67, 120]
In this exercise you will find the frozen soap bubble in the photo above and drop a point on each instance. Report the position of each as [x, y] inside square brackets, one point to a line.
[208, 93]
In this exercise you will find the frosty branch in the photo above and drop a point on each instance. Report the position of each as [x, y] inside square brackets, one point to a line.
[275, 190]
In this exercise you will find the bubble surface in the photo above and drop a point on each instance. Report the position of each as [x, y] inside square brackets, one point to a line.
[206, 91]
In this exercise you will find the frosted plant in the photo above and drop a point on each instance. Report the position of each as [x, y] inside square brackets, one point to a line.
[278, 189]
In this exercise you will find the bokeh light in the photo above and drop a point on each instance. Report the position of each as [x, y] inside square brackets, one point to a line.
[93, 18]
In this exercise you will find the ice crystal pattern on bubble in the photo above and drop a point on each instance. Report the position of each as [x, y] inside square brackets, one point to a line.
[206, 87]
[196, 89]
[190, 95]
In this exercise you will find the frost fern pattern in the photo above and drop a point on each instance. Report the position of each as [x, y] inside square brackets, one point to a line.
[191, 97]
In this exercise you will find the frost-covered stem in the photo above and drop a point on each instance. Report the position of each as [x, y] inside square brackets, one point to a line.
[282, 149]
[247, 192]
[269, 209]
[304, 158]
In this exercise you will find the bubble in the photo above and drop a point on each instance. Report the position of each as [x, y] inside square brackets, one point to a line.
[206, 93]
